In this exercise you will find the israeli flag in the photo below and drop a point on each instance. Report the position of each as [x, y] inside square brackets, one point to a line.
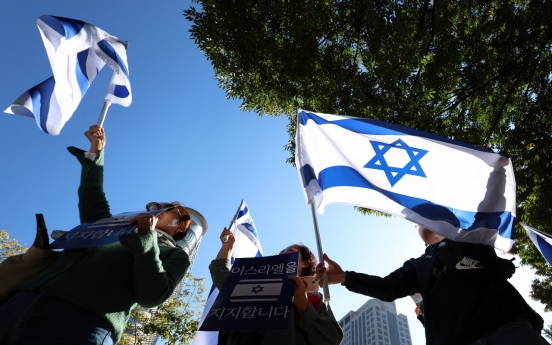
[460, 191]
[247, 245]
[77, 52]
[542, 241]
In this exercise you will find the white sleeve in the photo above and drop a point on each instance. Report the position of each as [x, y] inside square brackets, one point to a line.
[91, 156]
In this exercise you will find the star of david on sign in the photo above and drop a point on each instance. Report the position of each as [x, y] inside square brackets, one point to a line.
[257, 289]
[395, 174]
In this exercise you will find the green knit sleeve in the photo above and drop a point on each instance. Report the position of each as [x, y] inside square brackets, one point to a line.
[93, 204]
[157, 270]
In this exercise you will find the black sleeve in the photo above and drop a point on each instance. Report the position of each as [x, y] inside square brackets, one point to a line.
[400, 283]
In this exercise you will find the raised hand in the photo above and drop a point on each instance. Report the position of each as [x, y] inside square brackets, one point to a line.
[96, 135]
[145, 221]
[336, 275]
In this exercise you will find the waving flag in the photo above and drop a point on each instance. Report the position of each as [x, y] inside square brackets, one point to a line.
[246, 245]
[77, 52]
[459, 191]
[542, 241]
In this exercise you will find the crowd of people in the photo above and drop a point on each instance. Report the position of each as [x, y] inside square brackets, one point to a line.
[85, 296]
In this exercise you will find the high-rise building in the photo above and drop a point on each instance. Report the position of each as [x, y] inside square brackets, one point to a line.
[375, 323]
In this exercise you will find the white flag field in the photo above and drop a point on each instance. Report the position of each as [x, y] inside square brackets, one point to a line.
[460, 191]
[77, 51]
[246, 245]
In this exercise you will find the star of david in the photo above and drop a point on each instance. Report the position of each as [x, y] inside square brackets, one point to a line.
[257, 289]
[395, 174]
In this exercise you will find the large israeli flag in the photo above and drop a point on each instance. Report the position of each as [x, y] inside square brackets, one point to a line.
[77, 52]
[459, 191]
[247, 245]
[542, 241]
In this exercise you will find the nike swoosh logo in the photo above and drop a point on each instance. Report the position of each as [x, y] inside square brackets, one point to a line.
[462, 267]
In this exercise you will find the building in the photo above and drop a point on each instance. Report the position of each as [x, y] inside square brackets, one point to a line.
[375, 323]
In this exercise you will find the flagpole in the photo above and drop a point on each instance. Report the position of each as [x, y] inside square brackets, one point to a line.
[225, 238]
[320, 252]
[104, 112]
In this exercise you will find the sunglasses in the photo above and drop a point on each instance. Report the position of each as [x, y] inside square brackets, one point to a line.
[184, 219]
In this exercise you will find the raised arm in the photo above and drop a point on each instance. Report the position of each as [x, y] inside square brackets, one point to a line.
[400, 283]
[93, 204]
[220, 267]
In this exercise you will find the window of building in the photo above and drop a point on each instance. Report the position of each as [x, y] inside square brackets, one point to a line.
[379, 324]
[378, 319]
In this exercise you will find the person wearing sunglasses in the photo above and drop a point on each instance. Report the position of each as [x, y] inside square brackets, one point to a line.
[311, 322]
[86, 295]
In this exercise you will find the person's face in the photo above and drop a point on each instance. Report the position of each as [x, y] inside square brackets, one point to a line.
[302, 262]
[174, 221]
[428, 236]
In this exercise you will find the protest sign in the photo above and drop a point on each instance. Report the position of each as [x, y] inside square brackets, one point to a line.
[102, 232]
[256, 295]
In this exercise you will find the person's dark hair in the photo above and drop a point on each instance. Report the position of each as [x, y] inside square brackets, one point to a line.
[177, 208]
[307, 255]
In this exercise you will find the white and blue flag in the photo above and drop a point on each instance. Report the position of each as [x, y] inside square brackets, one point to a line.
[246, 245]
[77, 52]
[459, 191]
[542, 241]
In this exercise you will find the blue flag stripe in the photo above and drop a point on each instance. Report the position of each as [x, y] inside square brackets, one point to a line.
[545, 248]
[375, 127]
[41, 95]
[82, 78]
[71, 26]
[243, 212]
[121, 91]
[338, 176]
[108, 49]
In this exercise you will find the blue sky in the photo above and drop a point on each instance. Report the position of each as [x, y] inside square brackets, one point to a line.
[179, 140]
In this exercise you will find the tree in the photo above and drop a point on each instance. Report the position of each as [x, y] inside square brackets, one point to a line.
[9, 247]
[176, 321]
[471, 70]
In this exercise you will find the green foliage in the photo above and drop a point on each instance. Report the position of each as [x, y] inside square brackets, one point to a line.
[548, 332]
[175, 321]
[9, 247]
[471, 70]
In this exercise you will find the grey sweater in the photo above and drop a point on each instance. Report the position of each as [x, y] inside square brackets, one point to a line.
[314, 327]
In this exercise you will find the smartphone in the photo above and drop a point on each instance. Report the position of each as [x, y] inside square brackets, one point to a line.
[311, 283]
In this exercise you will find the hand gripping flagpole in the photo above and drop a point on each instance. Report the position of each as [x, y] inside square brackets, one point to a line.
[107, 103]
[320, 251]
[225, 238]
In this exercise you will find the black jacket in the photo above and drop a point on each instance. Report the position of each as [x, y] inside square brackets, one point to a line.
[456, 310]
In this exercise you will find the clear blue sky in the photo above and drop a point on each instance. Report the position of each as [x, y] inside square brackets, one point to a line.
[179, 140]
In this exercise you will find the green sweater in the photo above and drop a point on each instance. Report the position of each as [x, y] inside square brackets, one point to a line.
[111, 280]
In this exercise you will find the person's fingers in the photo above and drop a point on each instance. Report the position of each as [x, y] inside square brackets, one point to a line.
[328, 260]
[297, 281]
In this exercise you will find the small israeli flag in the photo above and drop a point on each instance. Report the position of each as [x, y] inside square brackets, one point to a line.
[459, 191]
[542, 241]
[246, 245]
[77, 52]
